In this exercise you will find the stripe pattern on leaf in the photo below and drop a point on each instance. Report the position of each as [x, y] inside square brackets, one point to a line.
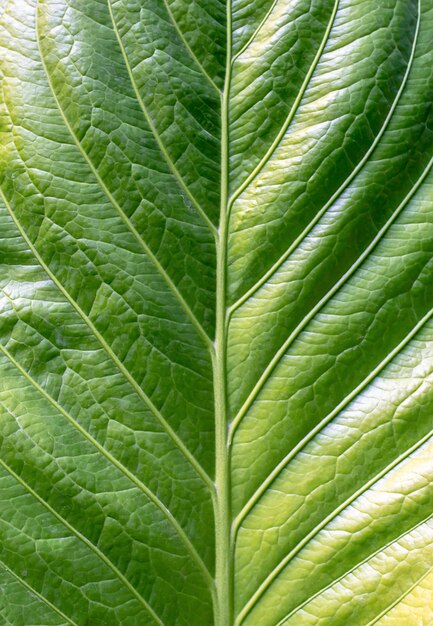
[216, 328]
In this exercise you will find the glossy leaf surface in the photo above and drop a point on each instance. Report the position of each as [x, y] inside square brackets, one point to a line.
[216, 331]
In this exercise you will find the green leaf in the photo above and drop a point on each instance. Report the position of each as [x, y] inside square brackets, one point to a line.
[216, 329]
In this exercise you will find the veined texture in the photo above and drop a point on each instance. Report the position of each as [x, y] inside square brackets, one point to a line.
[216, 312]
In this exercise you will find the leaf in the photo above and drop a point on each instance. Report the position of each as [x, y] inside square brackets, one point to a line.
[216, 333]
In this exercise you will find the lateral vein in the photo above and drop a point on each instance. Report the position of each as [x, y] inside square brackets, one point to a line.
[401, 597]
[86, 541]
[33, 592]
[138, 237]
[292, 112]
[344, 278]
[310, 536]
[155, 133]
[119, 365]
[256, 497]
[189, 49]
[256, 32]
[117, 464]
[298, 241]
[352, 569]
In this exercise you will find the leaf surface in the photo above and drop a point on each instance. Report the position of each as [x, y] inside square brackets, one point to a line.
[216, 329]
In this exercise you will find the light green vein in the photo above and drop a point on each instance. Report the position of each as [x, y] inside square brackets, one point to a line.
[120, 366]
[125, 219]
[401, 597]
[154, 130]
[86, 541]
[35, 593]
[189, 49]
[273, 575]
[224, 562]
[256, 497]
[298, 241]
[292, 112]
[283, 349]
[256, 32]
[283, 621]
[119, 466]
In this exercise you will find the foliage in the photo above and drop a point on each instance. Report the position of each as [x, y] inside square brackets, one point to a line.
[216, 344]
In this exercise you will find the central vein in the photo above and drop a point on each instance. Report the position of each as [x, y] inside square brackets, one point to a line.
[223, 541]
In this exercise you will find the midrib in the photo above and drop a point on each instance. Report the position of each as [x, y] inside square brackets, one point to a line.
[223, 535]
